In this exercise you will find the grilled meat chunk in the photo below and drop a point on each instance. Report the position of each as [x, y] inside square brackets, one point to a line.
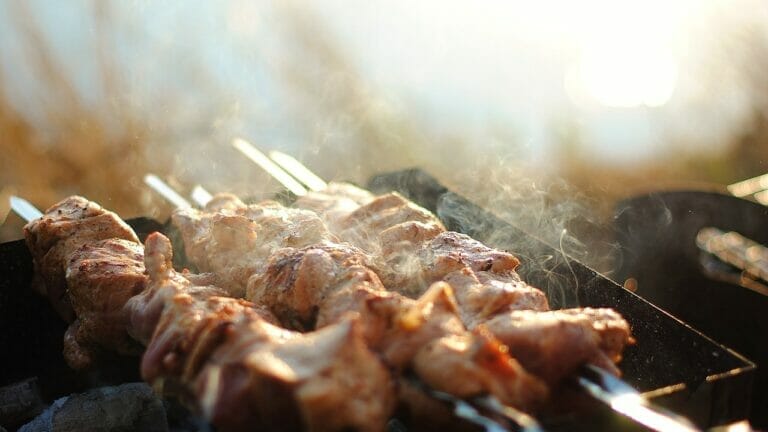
[324, 380]
[297, 281]
[362, 226]
[483, 278]
[335, 202]
[554, 344]
[234, 244]
[484, 367]
[102, 276]
[53, 238]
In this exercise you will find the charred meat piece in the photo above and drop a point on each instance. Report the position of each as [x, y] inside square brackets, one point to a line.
[483, 278]
[53, 238]
[475, 363]
[262, 375]
[296, 282]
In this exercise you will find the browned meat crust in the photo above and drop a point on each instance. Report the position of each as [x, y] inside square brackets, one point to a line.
[53, 238]
[101, 277]
[320, 284]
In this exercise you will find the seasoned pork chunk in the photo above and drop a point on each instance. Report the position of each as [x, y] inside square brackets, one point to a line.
[64, 228]
[102, 276]
[362, 226]
[335, 202]
[235, 244]
[554, 344]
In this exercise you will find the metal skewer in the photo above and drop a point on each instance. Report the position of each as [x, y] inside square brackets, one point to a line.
[738, 251]
[270, 167]
[298, 170]
[201, 196]
[166, 191]
[624, 399]
[25, 209]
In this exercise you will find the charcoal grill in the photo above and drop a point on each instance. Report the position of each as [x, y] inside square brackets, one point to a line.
[674, 365]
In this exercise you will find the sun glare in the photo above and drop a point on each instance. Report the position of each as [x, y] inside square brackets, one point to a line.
[626, 53]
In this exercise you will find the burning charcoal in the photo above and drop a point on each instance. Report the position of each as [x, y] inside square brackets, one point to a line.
[127, 407]
[20, 402]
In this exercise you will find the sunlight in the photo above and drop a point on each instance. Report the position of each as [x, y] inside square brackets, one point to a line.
[626, 52]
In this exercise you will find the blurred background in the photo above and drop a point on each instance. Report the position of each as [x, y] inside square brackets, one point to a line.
[547, 111]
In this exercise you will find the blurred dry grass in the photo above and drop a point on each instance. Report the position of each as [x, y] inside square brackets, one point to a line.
[348, 131]
[78, 150]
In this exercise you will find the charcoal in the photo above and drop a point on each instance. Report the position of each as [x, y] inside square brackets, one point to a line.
[20, 402]
[127, 407]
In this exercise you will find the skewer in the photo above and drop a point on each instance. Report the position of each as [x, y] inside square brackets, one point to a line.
[624, 399]
[270, 167]
[738, 251]
[298, 170]
[166, 191]
[201, 196]
[600, 384]
[750, 186]
[466, 411]
[25, 209]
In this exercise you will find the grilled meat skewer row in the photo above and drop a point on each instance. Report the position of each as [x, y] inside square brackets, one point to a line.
[313, 286]
[222, 354]
[413, 254]
[416, 251]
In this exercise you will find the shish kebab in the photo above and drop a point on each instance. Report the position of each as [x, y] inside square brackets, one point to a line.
[312, 281]
[412, 250]
[192, 315]
[222, 240]
[223, 354]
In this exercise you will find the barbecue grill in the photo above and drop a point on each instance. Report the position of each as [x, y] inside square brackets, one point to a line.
[674, 365]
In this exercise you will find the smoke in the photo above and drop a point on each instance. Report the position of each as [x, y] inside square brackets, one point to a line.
[535, 215]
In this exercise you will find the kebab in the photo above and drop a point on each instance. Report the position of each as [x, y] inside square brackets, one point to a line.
[294, 266]
[220, 353]
[413, 250]
[417, 250]
[501, 374]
